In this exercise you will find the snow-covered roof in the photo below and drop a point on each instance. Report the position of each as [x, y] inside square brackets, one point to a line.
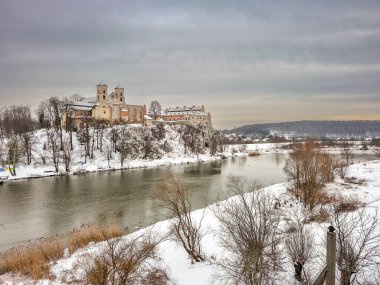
[184, 109]
[81, 106]
[187, 113]
[148, 117]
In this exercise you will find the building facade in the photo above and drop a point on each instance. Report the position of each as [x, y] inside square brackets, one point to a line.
[192, 115]
[110, 107]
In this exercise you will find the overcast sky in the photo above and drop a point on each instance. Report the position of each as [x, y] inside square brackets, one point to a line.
[246, 61]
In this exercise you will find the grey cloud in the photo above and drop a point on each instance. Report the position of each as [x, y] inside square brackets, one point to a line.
[193, 52]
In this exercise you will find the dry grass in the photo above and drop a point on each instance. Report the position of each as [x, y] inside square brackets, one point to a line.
[344, 204]
[33, 259]
[81, 236]
[321, 217]
[255, 153]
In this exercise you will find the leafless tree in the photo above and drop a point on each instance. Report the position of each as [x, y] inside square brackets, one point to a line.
[114, 137]
[132, 261]
[100, 127]
[347, 152]
[42, 115]
[308, 169]
[66, 154]
[358, 244]
[172, 195]
[53, 147]
[155, 108]
[55, 110]
[69, 123]
[75, 98]
[84, 136]
[158, 131]
[124, 148]
[13, 154]
[17, 120]
[215, 141]
[250, 235]
[149, 145]
[192, 139]
[299, 243]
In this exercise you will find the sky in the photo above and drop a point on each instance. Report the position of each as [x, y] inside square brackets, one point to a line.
[246, 61]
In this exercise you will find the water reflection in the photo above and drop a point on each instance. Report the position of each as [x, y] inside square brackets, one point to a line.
[31, 209]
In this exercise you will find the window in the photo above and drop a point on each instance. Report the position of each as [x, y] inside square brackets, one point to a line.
[104, 97]
[121, 99]
[104, 91]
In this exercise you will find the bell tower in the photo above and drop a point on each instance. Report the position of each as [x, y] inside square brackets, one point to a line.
[119, 91]
[101, 94]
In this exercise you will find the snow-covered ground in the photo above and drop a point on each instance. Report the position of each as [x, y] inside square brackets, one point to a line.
[362, 181]
[40, 168]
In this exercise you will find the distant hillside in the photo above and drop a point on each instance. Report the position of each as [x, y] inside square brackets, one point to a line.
[333, 129]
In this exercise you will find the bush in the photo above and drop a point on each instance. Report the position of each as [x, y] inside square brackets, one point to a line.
[127, 261]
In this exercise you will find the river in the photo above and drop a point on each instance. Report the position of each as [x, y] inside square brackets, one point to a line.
[30, 209]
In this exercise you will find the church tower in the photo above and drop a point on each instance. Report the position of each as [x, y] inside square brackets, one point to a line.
[119, 91]
[101, 94]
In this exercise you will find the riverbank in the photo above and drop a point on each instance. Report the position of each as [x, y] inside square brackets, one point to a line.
[177, 156]
[362, 182]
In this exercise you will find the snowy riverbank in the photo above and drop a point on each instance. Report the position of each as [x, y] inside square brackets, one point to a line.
[362, 182]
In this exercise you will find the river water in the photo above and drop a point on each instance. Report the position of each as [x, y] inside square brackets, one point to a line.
[30, 209]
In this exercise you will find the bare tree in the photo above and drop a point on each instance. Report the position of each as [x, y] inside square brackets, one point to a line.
[42, 115]
[100, 127]
[308, 169]
[132, 261]
[192, 139]
[53, 147]
[14, 154]
[114, 137]
[299, 244]
[158, 131]
[358, 244]
[215, 141]
[55, 110]
[155, 108]
[250, 235]
[126, 143]
[347, 152]
[172, 195]
[66, 154]
[17, 120]
[84, 136]
[149, 146]
[75, 98]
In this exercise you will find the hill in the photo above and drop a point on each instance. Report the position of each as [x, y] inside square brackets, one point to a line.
[331, 129]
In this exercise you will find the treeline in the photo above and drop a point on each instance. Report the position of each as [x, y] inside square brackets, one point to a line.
[317, 129]
[48, 139]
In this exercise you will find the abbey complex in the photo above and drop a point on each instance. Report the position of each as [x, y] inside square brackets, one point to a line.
[112, 107]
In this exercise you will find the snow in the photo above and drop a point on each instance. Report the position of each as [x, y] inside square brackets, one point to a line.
[175, 259]
[99, 162]
[362, 182]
